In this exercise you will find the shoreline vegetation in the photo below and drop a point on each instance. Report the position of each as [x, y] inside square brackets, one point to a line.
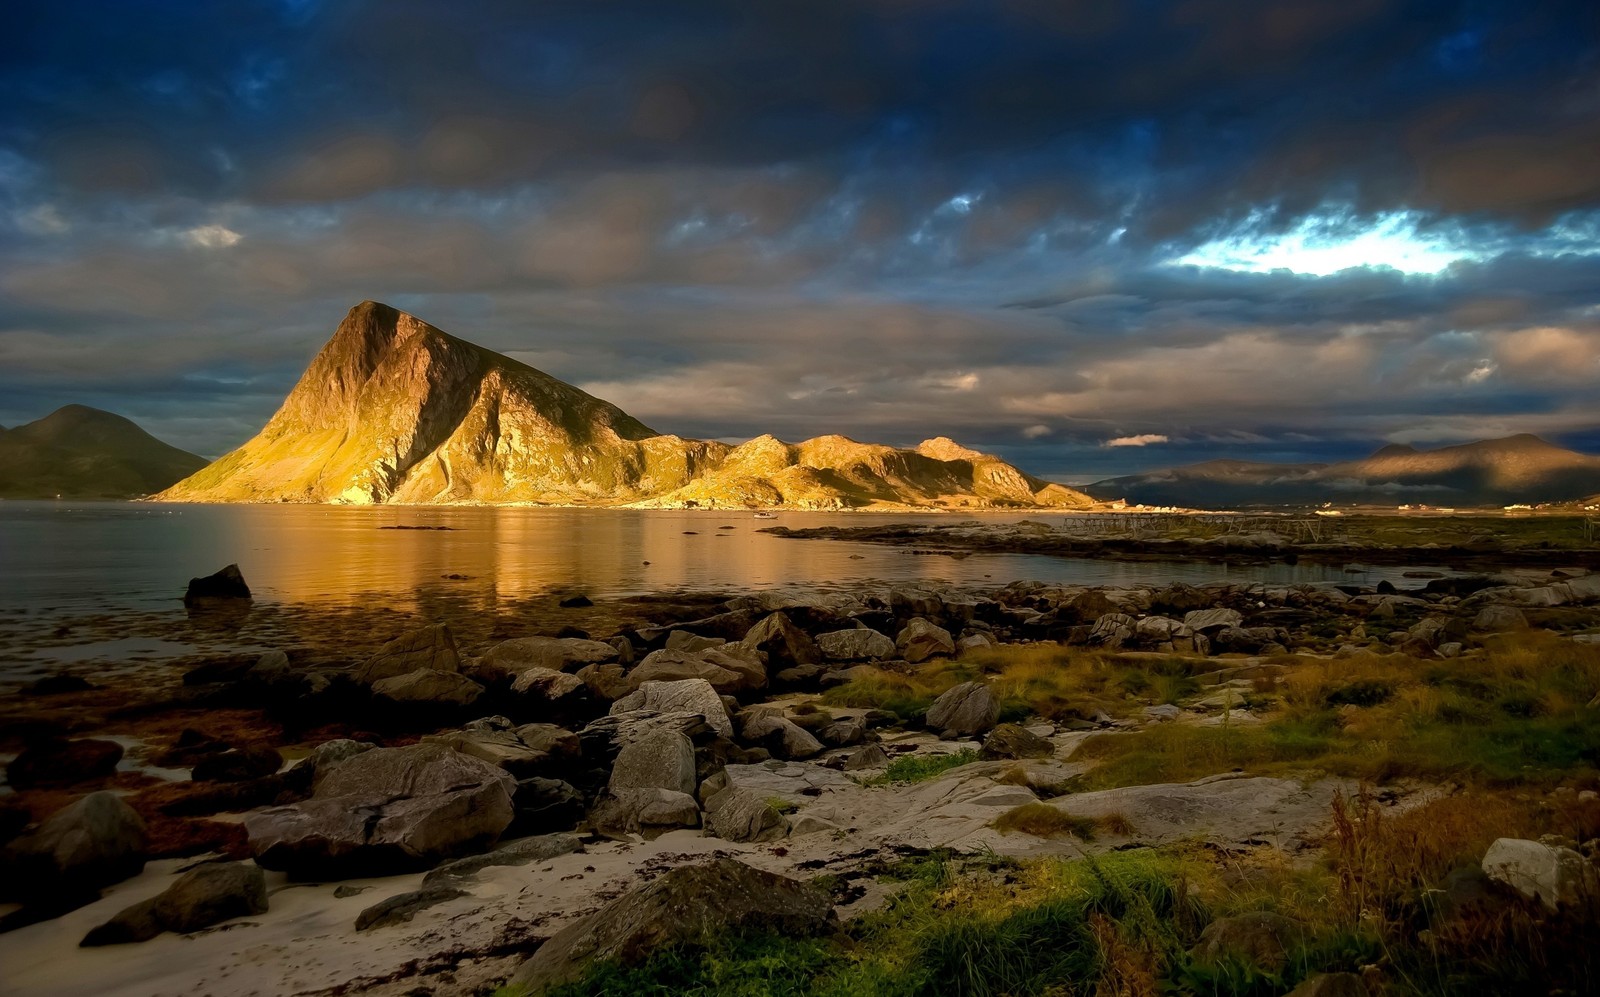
[1245, 789]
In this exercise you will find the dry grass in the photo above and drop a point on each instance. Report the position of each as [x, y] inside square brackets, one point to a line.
[1516, 714]
[1044, 821]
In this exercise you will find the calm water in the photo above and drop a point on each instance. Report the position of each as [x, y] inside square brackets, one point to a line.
[61, 557]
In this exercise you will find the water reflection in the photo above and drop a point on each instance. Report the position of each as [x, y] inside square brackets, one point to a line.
[127, 555]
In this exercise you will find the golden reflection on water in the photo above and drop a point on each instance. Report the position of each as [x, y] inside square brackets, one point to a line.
[116, 552]
[110, 556]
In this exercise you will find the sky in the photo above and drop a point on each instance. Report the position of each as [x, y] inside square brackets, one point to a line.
[1092, 237]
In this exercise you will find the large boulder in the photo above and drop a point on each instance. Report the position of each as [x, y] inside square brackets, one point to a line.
[739, 815]
[690, 905]
[1499, 619]
[523, 750]
[1112, 630]
[426, 686]
[549, 688]
[605, 682]
[328, 755]
[685, 696]
[1548, 873]
[559, 654]
[643, 811]
[661, 760]
[97, 841]
[227, 584]
[60, 762]
[683, 640]
[781, 736]
[728, 668]
[432, 648]
[203, 896]
[860, 644]
[1205, 621]
[969, 708]
[921, 640]
[384, 811]
[784, 644]
[1015, 741]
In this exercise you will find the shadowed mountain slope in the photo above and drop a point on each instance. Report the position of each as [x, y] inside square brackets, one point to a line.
[81, 452]
[394, 410]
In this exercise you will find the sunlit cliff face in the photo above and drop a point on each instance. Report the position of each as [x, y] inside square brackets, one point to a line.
[1038, 228]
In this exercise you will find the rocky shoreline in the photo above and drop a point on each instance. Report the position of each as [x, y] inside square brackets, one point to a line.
[482, 789]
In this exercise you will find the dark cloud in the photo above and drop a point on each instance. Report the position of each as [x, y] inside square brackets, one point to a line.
[883, 217]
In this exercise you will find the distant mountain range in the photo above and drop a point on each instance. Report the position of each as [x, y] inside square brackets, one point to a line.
[1520, 468]
[392, 410]
[79, 452]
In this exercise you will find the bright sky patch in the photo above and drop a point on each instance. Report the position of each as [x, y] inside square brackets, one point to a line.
[1322, 245]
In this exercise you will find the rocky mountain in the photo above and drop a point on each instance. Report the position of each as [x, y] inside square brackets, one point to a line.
[1520, 468]
[84, 453]
[394, 410]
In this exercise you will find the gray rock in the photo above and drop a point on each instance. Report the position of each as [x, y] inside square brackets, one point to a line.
[683, 640]
[728, 668]
[784, 644]
[740, 815]
[974, 642]
[1015, 741]
[549, 686]
[386, 810]
[606, 682]
[329, 755]
[1112, 630]
[432, 648]
[1163, 713]
[1499, 619]
[921, 640]
[524, 851]
[843, 733]
[523, 750]
[97, 841]
[689, 905]
[686, 696]
[203, 896]
[559, 654]
[871, 756]
[860, 644]
[661, 760]
[643, 811]
[1550, 874]
[1202, 621]
[969, 708]
[781, 736]
[428, 685]
[605, 736]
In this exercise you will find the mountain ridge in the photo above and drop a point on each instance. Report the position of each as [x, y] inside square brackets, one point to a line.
[81, 452]
[1518, 468]
[393, 410]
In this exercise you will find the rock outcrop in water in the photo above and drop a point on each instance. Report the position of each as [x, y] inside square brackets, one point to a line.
[394, 410]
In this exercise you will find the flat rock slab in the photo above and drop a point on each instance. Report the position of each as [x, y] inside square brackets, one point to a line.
[1224, 810]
